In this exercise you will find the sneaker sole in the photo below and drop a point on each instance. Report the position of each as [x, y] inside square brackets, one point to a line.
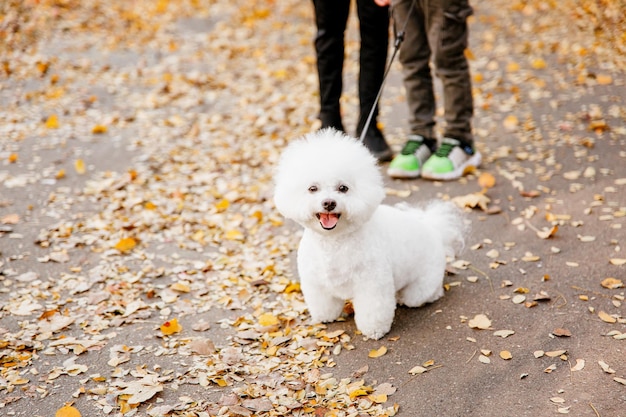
[472, 162]
[401, 174]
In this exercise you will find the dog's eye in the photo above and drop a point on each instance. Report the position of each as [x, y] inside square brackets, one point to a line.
[313, 189]
[343, 188]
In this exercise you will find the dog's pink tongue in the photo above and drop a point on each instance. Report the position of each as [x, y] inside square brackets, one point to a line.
[328, 220]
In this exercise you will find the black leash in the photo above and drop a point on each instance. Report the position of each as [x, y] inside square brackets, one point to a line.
[399, 37]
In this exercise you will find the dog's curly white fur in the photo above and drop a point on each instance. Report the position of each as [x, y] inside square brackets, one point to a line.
[354, 247]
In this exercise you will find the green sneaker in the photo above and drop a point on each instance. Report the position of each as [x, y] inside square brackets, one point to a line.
[451, 161]
[409, 162]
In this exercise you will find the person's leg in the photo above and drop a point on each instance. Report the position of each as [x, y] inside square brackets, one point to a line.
[451, 32]
[374, 31]
[414, 56]
[448, 35]
[330, 18]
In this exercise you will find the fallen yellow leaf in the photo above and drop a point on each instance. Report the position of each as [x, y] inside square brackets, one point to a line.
[99, 129]
[378, 398]
[67, 411]
[233, 234]
[359, 391]
[538, 63]
[292, 287]
[268, 319]
[512, 67]
[180, 287]
[486, 180]
[510, 123]
[52, 122]
[222, 205]
[377, 353]
[13, 158]
[79, 166]
[506, 355]
[171, 327]
[126, 244]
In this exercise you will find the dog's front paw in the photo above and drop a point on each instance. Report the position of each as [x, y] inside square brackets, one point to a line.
[375, 335]
[324, 309]
[374, 332]
[324, 318]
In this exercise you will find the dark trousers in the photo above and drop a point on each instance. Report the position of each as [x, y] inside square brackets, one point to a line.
[331, 17]
[436, 31]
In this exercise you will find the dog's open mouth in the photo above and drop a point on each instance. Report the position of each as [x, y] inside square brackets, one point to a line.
[328, 220]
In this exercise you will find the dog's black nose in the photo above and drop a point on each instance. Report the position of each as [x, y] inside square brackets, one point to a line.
[329, 205]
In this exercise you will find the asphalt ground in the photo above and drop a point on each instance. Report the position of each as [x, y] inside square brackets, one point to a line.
[167, 121]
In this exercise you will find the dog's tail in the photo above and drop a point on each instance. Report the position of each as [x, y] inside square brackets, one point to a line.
[449, 221]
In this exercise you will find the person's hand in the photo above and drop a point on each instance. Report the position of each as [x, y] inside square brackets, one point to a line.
[382, 3]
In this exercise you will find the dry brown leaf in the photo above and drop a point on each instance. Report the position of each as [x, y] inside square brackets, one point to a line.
[417, 370]
[550, 368]
[202, 346]
[561, 332]
[511, 123]
[472, 201]
[548, 233]
[580, 364]
[518, 299]
[480, 321]
[555, 353]
[612, 283]
[10, 219]
[605, 367]
[606, 317]
[486, 180]
[503, 333]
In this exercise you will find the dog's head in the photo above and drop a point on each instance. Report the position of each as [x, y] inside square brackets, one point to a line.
[328, 182]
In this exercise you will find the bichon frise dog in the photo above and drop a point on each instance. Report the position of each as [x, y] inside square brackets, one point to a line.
[353, 247]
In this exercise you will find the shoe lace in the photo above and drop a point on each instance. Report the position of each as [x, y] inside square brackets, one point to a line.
[410, 147]
[444, 150]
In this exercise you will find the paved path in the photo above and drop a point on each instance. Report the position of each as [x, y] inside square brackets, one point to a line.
[144, 270]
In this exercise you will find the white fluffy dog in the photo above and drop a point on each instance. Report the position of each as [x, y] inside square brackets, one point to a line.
[354, 248]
